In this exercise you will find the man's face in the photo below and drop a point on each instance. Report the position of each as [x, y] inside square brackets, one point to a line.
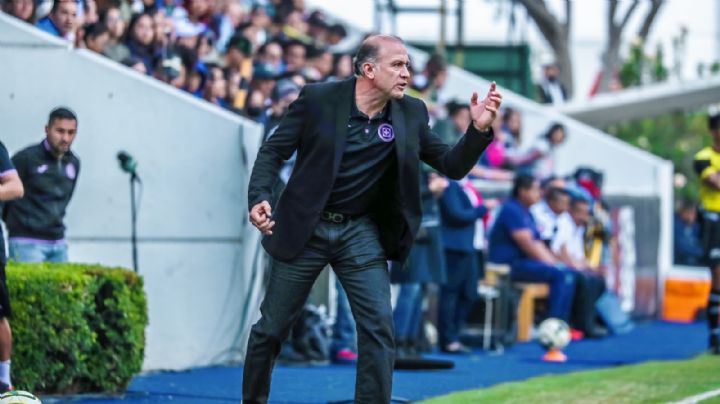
[295, 58]
[530, 196]
[560, 203]
[65, 17]
[390, 73]
[580, 213]
[273, 54]
[61, 134]
[98, 43]
[21, 9]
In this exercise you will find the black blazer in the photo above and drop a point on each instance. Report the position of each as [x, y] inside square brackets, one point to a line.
[316, 126]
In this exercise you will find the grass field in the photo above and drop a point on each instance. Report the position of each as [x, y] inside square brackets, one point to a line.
[651, 382]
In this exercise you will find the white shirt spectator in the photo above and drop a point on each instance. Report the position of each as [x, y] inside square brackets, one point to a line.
[571, 236]
[545, 220]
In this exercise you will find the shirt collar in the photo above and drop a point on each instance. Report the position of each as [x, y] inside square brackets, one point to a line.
[384, 115]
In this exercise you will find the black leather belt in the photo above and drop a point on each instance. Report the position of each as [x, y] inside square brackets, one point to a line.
[334, 217]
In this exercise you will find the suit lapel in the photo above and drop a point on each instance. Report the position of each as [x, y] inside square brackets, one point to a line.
[342, 102]
[398, 123]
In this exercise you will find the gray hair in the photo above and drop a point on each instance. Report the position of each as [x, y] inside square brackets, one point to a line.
[369, 49]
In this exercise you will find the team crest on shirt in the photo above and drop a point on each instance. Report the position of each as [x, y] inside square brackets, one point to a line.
[70, 171]
[42, 168]
[386, 133]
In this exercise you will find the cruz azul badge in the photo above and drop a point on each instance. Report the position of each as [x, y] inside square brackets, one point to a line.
[385, 133]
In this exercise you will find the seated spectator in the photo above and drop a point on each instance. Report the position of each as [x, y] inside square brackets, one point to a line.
[135, 64]
[539, 160]
[547, 212]
[453, 127]
[295, 53]
[271, 54]
[96, 37]
[22, 9]
[461, 211]
[115, 49]
[62, 20]
[568, 245]
[284, 93]
[171, 70]
[140, 40]
[238, 57]
[336, 33]
[687, 247]
[342, 67]
[514, 240]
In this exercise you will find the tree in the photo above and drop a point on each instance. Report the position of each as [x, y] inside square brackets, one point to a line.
[615, 28]
[557, 34]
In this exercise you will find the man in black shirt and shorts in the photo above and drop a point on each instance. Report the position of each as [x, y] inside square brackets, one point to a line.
[10, 188]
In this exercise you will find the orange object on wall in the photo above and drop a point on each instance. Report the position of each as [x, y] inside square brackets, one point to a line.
[683, 298]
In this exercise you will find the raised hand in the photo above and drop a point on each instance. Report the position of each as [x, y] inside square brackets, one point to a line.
[483, 112]
[261, 217]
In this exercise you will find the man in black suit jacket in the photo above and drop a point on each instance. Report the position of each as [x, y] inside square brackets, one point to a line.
[353, 202]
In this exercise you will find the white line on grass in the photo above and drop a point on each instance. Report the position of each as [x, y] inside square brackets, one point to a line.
[699, 397]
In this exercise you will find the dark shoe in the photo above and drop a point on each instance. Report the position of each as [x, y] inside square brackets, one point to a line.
[4, 387]
[456, 348]
[597, 332]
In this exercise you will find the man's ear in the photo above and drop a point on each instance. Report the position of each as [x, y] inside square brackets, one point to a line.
[369, 69]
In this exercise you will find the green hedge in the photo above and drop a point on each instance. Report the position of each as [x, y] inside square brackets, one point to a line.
[76, 328]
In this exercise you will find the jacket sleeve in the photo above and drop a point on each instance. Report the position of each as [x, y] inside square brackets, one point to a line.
[277, 148]
[454, 212]
[455, 162]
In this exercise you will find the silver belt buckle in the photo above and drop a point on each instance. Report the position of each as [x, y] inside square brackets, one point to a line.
[333, 217]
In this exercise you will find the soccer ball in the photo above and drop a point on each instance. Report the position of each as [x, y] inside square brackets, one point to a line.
[19, 397]
[553, 333]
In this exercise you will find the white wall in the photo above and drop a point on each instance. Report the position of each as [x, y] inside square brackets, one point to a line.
[194, 245]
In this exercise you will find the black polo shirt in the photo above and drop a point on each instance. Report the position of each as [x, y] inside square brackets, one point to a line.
[369, 151]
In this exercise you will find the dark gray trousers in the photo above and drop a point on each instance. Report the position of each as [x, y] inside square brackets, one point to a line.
[353, 250]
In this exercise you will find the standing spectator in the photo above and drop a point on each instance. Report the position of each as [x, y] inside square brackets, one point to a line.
[22, 9]
[10, 188]
[707, 166]
[97, 37]
[514, 240]
[687, 248]
[62, 20]
[461, 210]
[49, 171]
[550, 90]
[425, 264]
